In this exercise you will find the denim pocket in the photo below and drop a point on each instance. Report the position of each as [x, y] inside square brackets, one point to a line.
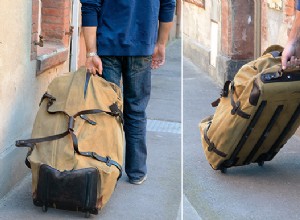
[141, 63]
[110, 61]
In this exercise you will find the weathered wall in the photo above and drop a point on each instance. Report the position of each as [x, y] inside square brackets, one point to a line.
[276, 23]
[20, 89]
[196, 23]
[235, 43]
[197, 34]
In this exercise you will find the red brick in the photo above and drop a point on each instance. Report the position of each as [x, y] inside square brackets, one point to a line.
[55, 3]
[58, 12]
[52, 27]
[52, 20]
[53, 35]
[55, 22]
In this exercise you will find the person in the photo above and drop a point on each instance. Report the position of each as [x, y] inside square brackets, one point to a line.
[291, 52]
[126, 38]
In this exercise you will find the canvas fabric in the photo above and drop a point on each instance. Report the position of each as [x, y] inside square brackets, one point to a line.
[105, 138]
[226, 129]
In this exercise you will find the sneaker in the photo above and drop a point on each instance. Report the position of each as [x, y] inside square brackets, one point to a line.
[138, 181]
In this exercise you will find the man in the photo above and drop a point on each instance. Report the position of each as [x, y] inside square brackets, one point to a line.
[292, 48]
[127, 38]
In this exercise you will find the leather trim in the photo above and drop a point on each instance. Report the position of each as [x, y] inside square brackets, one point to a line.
[255, 94]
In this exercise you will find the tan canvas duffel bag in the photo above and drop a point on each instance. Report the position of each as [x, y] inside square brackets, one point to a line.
[256, 115]
[76, 150]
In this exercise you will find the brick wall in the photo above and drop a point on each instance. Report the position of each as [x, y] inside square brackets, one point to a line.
[54, 22]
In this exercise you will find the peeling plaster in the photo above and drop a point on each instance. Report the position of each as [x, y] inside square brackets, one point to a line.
[249, 19]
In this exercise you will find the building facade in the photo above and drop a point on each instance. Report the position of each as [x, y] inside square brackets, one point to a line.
[222, 35]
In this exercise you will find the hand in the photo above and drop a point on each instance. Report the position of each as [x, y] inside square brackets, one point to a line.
[94, 64]
[159, 55]
[288, 54]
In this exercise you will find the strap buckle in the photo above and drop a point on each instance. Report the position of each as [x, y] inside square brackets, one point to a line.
[49, 97]
[211, 146]
[108, 161]
[71, 123]
[114, 110]
[84, 117]
[236, 108]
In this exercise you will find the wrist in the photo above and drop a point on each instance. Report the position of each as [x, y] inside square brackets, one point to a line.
[161, 43]
[91, 54]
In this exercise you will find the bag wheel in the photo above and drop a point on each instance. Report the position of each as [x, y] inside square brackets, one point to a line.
[87, 214]
[223, 170]
[44, 208]
[261, 163]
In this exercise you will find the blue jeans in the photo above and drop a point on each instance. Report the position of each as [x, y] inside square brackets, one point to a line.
[136, 75]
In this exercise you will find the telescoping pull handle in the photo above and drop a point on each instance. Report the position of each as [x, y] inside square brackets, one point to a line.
[287, 75]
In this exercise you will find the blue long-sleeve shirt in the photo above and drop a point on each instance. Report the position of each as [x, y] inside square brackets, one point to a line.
[126, 27]
[298, 5]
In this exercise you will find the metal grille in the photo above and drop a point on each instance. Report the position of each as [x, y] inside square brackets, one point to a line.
[163, 126]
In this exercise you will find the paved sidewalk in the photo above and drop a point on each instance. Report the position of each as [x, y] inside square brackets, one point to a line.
[159, 197]
[250, 192]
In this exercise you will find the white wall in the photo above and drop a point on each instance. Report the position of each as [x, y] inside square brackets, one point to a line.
[276, 29]
[20, 89]
[196, 23]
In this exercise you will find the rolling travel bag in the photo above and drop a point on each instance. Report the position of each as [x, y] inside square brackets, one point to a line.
[255, 116]
[76, 150]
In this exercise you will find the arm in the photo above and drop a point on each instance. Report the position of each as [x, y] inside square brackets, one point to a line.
[292, 47]
[93, 62]
[166, 14]
[159, 54]
[90, 9]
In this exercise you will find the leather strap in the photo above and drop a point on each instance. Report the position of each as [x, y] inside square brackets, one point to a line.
[216, 102]
[225, 89]
[236, 105]
[49, 97]
[224, 93]
[211, 145]
[107, 160]
[87, 79]
[31, 142]
[115, 111]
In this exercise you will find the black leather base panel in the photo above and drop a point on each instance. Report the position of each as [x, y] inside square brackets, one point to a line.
[69, 190]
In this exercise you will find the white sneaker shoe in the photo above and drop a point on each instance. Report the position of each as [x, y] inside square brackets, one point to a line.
[138, 181]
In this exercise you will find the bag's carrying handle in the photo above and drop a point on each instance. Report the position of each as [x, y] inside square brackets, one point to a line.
[235, 105]
[87, 80]
[280, 72]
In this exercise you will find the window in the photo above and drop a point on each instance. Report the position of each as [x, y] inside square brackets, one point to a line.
[50, 32]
